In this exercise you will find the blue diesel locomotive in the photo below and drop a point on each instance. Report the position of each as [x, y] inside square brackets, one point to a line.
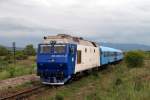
[62, 56]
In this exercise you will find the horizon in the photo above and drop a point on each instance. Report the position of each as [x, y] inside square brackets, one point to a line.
[99, 42]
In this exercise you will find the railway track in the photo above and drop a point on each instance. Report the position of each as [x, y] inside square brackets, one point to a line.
[25, 94]
[22, 95]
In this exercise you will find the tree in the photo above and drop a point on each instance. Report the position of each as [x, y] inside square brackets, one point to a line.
[29, 50]
[3, 51]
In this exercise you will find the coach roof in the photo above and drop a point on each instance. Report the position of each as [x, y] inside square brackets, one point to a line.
[109, 49]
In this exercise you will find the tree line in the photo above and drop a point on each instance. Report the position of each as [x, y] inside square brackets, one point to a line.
[8, 55]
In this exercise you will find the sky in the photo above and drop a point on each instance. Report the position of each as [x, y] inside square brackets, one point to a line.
[114, 21]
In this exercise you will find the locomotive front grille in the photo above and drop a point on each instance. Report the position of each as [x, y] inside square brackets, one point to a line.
[52, 77]
[52, 74]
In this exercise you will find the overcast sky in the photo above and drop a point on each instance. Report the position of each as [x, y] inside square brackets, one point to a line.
[117, 21]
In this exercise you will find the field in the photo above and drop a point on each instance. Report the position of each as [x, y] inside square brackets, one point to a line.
[117, 82]
[22, 67]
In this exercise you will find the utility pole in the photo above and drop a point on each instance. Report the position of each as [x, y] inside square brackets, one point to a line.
[14, 51]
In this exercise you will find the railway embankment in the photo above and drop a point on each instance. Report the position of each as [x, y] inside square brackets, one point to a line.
[13, 82]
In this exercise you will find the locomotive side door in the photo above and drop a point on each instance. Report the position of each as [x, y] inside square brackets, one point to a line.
[72, 58]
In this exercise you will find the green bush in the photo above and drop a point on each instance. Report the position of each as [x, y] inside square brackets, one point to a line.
[4, 74]
[3, 64]
[118, 81]
[20, 55]
[29, 50]
[59, 97]
[134, 59]
[8, 58]
[3, 51]
[11, 70]
[147, 55]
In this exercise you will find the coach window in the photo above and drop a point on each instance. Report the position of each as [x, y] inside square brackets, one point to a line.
[79, 57]
[104, 54]
[108, 54]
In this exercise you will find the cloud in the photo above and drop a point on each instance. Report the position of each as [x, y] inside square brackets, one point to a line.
[125, 21]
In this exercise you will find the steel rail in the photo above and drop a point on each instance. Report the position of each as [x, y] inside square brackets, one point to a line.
[22, 94]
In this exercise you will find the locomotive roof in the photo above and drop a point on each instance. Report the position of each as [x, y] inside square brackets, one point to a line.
[63, 38]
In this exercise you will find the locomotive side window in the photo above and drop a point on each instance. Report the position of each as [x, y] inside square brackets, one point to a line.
[45, 49]
[79, 57]
[85, 49]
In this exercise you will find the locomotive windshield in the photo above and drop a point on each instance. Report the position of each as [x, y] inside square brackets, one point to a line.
[45, 48]
[59, 49]
[53, 49]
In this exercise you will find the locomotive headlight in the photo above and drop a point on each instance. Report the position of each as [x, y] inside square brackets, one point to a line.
[51, 60]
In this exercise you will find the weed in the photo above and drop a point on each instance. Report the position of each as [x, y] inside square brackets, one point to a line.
[118, 81]
[59, 97]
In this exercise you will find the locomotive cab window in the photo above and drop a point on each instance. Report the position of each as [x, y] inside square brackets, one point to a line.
[79, 57]
[59, 49]
[45, 49]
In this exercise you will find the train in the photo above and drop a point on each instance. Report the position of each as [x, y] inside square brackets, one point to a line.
[61, 57]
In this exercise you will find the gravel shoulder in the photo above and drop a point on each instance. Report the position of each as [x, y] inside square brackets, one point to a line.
[12, 82]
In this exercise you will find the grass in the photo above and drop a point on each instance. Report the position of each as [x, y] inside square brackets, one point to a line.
[147, 55]
[22, 67]
[118, 82]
